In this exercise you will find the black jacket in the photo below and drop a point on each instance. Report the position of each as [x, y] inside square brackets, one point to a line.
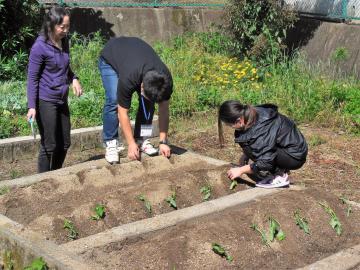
[271, 130]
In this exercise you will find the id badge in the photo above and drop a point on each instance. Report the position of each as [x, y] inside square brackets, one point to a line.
[146, 131]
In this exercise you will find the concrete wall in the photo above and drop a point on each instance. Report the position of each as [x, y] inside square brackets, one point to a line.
[320, 40]
[151, 24]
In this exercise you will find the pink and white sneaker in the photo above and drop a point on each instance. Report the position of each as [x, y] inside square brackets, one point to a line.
[278, 182]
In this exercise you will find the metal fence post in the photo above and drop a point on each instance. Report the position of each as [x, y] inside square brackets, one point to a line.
[344, 9]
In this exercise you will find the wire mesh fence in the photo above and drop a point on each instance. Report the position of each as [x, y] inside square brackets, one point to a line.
[332, 9]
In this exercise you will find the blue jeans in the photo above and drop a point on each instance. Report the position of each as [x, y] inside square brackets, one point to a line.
[110, 117]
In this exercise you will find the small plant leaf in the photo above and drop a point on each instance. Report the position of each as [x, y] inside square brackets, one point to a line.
[147, 204]
[37, 264]
[275, 231]
[172, 200]
[99, 212]
[334, 220]
[301, 222]
[206, 192]
[69, 226]
[218, 249]
[262, 233]
[233, 184]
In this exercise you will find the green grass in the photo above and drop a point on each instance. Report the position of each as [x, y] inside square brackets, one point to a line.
[204, 76]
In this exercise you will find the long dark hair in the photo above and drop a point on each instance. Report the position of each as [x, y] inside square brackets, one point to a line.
[53, 17]
[230, 111]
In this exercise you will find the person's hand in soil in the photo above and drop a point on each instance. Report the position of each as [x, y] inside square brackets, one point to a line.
[164, 150]
[133, 151]
[238, 171]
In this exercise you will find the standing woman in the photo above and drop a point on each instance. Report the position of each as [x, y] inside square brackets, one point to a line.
[49, 77]
[269, 139]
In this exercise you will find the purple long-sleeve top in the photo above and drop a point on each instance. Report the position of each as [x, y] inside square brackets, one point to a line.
[49, 73]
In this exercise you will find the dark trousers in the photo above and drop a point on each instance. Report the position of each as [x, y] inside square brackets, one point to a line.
[283, 164]
[53, 121]
[140, 116]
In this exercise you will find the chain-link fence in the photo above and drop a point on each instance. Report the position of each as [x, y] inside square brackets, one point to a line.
[331, 9]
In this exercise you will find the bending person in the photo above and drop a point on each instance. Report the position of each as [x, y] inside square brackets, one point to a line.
[49, 77]
[269, 139]
[128, 65]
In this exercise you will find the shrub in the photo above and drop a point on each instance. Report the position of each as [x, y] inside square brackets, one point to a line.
[258, 28]
[19, 22]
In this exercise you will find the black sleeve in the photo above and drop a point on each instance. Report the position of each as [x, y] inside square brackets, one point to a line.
[264, 149]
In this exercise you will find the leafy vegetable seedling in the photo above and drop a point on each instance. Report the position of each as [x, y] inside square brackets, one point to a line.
[344, 200]
[218, 249]
[172, 200]
[206, 192]
[147, 204]
[233, 184]
[256, 228]
[301, 222]
[69, 226]
[275, 230]
[334, 220]
[37, 264]
[8, 262]
[4, 190]
[99, 212]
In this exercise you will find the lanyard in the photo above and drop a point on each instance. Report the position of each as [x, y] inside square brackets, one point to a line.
[147, 116]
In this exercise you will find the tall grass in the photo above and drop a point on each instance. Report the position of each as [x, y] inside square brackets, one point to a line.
[204, 76]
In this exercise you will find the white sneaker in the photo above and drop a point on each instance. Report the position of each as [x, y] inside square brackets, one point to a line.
[112, 154]
[148, 148]
[277, 182]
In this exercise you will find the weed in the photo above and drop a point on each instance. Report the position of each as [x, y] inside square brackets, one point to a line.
[14, 174]
[72, 232]
[233, 184]
[171, 200]
[340, 54]
[37, 264]
[316, 140]
[301, 222]
[8, 261]
[334, 220]
[262, 233]
[147, 204]
[345, 201]
[206, 192]
[218, 249]
[99, 212]
[4, 190]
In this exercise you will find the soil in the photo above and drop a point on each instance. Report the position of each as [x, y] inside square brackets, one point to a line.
[188, 245]
[332, 170]
[44, 206]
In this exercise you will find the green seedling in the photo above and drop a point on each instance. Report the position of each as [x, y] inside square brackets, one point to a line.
[69, 226]
[206, 192]
[99, 212]
[334, 220]
[218, 249]
[301, 222]
[4, 190]
[8, 261]
[172, 200]
[37, 264]
[147, 204]
[233, 184]
[344, 200]
[256, 228]
[275, 230]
